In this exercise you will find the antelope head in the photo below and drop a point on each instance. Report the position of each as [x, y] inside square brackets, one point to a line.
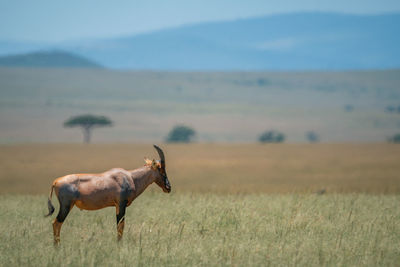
[161, 176]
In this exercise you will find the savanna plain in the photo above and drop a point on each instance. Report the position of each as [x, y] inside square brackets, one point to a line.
[232, 204]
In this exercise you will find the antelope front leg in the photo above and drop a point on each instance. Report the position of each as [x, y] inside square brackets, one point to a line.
[121, 219]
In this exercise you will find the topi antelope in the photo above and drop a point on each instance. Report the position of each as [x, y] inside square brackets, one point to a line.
[116, 187]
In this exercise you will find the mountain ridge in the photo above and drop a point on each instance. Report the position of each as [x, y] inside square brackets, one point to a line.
[283, 42]
[53, 58]
[298, 41]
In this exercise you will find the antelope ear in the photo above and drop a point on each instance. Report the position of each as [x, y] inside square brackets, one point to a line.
[154, 164]
[147, 161]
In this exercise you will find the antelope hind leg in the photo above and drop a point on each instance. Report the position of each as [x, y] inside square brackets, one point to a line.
[62, 214]
[56, 231]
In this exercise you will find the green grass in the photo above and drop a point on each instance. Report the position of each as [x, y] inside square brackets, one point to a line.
[209, 229]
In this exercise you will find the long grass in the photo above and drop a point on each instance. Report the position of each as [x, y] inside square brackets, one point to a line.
[209, 230]
[236, 205]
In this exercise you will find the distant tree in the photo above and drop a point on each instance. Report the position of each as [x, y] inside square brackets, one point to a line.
[312, 137]
[87, 123]
[262, 82]
[395, 138]
[181, 134]
[390, 109]
[272, 137]
[348, 108]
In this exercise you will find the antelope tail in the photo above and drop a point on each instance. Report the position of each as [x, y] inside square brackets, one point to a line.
[49, 204]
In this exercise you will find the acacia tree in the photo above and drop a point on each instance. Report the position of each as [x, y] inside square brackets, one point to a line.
[87, 123]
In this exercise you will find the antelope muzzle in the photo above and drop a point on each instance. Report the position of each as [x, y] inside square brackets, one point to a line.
[167, 185]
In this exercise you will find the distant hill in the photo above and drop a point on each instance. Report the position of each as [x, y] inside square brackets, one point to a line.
[47, 59]
[303, 41]
[298, 41]
[15, 47]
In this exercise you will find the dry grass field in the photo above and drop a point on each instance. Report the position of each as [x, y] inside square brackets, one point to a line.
[219, 213]
[218, 168]
[209, 230]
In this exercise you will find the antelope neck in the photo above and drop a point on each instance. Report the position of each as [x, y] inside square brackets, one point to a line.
[142, 178]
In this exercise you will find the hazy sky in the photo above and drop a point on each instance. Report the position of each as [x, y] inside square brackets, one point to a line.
[56, 20]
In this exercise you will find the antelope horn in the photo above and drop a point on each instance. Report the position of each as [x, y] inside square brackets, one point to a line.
[161, 154]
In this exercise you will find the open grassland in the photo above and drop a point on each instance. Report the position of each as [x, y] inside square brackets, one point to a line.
[218, 213]
[209, 230]
[221, 106]
[251, 168]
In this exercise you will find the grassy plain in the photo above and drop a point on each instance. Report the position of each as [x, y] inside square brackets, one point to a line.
[236, 205]
[209, 230]
[219, 168]
[221, 106]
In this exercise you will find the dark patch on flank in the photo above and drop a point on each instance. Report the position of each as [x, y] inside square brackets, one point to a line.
[64, 210]
[68, 191]
[66, 196]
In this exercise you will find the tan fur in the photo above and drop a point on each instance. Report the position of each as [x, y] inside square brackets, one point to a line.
[56, 231]
[152, 163]
[110, 188]
[120, 229]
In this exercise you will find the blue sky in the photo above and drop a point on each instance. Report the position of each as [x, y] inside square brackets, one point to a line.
[56, 20]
